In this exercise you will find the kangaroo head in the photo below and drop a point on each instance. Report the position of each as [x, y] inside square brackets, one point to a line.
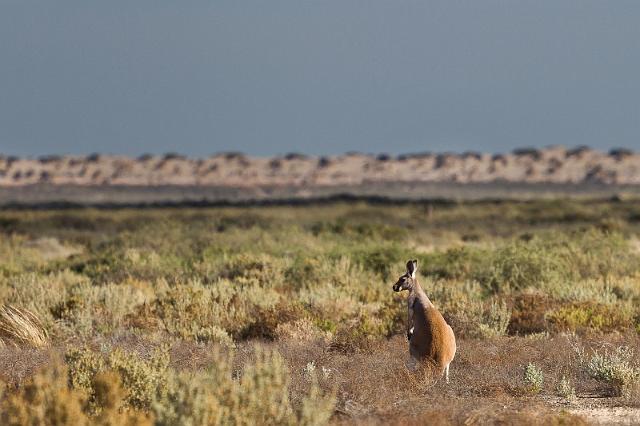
[408, 279]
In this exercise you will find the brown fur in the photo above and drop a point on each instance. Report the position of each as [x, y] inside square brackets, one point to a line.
[431, 339]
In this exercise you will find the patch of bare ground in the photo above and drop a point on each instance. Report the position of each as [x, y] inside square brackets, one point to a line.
[594, 413]
[373, 386]
[487, 385]
[19, 364]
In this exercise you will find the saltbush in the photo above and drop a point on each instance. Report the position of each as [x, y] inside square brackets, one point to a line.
[533, 378]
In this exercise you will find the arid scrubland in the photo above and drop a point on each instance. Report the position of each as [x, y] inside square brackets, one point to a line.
[285, 315]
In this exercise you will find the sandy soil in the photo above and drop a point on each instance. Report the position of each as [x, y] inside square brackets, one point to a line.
[601, 411]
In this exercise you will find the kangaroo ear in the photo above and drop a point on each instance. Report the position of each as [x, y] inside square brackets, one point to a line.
[412, 267]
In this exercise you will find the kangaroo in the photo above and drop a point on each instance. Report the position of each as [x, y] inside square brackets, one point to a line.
[431, 339]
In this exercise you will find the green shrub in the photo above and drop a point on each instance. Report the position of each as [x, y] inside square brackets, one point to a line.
[83, 365]
[189, 401]
[227, 223]
[533, 378]
[589, 315]
[47, 399]
[260, 396]
[362, 229]
[614, 368]
[548, 261]
[263, 269]
[565, 389]
[458, 263]
[495, 320]
[479, 319]
[143, 380]
[307, 272]
[524, 265]
[212, 313]
[381, 260]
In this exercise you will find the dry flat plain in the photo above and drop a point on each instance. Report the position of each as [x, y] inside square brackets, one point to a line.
[285, 315]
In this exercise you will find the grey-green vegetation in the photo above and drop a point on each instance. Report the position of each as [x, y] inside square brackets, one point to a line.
[213, 316]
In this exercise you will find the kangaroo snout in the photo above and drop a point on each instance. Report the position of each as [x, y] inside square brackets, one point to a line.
[396, 287]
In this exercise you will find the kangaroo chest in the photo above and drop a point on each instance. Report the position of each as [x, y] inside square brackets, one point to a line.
[426, 339]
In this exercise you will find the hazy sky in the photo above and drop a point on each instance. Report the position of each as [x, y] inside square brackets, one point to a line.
[270, 77]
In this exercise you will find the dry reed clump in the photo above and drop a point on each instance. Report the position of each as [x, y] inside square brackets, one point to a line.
[19, 327]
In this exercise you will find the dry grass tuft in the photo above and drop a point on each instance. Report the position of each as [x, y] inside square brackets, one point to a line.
[21, 328]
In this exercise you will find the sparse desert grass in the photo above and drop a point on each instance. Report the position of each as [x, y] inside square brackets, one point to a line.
[286, 315]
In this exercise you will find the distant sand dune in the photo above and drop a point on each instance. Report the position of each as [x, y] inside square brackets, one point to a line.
[554, 165]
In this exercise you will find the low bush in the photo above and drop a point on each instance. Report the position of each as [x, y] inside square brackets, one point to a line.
[533, 378]
[261, 396]
[565, 389]
[479, 319]
[381, 260]
[142, 380]
[495, 320]
[615, 368]
[545, 262]
[528, 315]
[212, 313]
[47, 399]
[591, 316]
